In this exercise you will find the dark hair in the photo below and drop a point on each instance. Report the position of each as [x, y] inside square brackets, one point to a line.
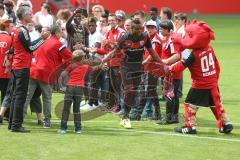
[92, 20]
[105, 16]
[55, 29]
[1, 6]
[38, 28]
[106, 12]
[112, 15]
[136, 22]
[154, 9]
[182, 16]
[167, 11]
[22, 10]
[166, 25]
[47, 7]
[141, 13]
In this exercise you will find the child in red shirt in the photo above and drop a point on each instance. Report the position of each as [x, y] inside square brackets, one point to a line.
[74, 90]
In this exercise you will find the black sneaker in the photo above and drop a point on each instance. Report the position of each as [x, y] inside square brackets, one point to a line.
[227, 128]
[40, 122]
[185, 130]
[1, 119]
[20, 130]
[46, 124]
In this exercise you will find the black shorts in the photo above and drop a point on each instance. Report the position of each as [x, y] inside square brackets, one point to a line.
[200, 97]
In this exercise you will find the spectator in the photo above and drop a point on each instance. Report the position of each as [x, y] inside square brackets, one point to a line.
[103, 24]
[44, 16]
[170, 55]
[154, 17]
[98, 11]
[21, 67]
[8, 4]
[77, 33]
[121, 17]
[2, 12]
[48, 57]
[6, 27]
[128, 25]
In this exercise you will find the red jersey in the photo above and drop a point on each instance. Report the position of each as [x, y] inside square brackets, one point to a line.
[112, 37]
[77, 75]
[204, 68]
[168, 49]
[48, 57]
[23, 48]
[5, 44]
[156, 44]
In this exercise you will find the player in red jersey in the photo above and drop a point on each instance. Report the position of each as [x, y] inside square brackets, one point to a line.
[204, 69]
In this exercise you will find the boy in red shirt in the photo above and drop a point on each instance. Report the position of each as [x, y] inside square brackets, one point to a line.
[74, 90]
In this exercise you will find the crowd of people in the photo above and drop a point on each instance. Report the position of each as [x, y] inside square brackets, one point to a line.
[111, 61]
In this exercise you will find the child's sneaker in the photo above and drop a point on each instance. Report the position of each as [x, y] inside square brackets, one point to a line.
[78, 130]
[62, 131]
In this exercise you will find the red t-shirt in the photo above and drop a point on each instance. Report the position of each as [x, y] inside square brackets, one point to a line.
[48, 58]
[5, 42]
[168, 49]
[77, 75]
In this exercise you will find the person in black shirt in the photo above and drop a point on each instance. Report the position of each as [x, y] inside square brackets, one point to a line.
[133, 45]
[77, 33]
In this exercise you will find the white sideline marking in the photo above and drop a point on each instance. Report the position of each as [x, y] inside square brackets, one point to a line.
[170, 134]
[152, 132]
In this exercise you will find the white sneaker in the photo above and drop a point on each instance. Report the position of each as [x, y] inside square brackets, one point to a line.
[126, 123]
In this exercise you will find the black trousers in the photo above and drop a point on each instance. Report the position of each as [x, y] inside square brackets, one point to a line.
[3, 87]
[20, 89]
[73, 95]
[172, 106]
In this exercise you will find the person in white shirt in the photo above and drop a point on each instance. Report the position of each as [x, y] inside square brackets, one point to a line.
[2, 13]
[98, 78]
[44, 17]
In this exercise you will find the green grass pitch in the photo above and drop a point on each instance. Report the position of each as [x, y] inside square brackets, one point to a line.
[103, 139]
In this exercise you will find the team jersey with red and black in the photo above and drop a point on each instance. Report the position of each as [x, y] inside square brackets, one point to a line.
[134, 47]
[169, 49]
[23, 48]
[204, 68]
[5, 43]
[111, 39]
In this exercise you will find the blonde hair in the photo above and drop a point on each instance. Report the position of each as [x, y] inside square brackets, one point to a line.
[78, 53]
[98, 6]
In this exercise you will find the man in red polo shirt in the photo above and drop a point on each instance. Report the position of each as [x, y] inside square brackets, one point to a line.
[5, 43]
[111, 39]
[23, 48]
[50, 56]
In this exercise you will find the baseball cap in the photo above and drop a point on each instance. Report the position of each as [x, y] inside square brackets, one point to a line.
[151, 23]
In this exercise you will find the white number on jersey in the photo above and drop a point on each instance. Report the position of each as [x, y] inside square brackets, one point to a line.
[206, 62]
